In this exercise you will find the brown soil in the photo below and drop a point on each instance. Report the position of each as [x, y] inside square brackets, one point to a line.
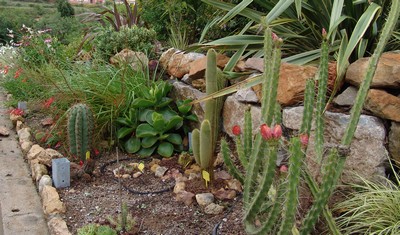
[96, 200]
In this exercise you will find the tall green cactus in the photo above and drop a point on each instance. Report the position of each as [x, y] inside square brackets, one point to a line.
[204, 140]
[260, 173]
[80, 130]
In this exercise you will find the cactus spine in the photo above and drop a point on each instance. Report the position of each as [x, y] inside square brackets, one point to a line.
[204, 140]
[80, 130]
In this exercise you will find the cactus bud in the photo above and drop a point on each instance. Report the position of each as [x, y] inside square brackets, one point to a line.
[236, 130]
[304, 139]
[283, 168]
[266, 132]
[277, 132]
[324, 33]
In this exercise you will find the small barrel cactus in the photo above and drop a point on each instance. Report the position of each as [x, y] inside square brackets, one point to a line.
[80, 130]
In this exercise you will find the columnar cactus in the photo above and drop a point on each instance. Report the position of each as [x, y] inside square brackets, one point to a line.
[80, 130]
[204, 140]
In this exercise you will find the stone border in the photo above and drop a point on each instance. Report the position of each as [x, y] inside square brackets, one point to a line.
[39, 159]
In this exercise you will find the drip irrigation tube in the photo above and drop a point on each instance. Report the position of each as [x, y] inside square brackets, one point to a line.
[103, 170]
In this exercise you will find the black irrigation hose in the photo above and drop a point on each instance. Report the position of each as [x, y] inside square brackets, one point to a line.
[103, 169]
[216, 227]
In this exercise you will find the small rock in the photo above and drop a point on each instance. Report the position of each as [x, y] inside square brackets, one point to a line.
[160, 171]
[347, 97]
[19, 126]
[45, 180]
[224, 194]
[204, 199]
[26, 146]
[154, 167]
[194, 176]
[246, 96]
[187, 79]
[234, 184]
[58, 226]
[47, 121]
[185, 197]
[383, 104]
[39, 170]
[179, 187]
[24, 134]
[51, 201]
[4, 131]
[137, 174]
[54, 154]
[199, 84]
[394, 143]
[126, 176]
[181, 179]
[194, 168]
[15, 118]
[222, 175]
[219, 160]
[213, 209]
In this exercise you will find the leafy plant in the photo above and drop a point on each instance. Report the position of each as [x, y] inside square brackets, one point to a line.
[108, 42]
[154, 124]
[65, 8]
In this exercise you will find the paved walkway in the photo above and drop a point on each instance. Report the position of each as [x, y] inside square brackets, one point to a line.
[20, 207]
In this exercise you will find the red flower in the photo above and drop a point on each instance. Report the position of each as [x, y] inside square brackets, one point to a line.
[304, 139]
[48, 102]
[17, 112]
[18, 73]
[81, 163]
[6, 68]
[96, 152]
[236, 130]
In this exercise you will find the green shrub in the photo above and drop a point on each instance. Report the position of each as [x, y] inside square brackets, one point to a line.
[110, 42]
[65, 8]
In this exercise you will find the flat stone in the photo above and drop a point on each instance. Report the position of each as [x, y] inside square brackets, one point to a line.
[160, 171]
[213, 209]
[51, 201]
[185, 197]
[180, 63]
[204, 199]
[34, 152]
[347, 97]
[387, 74]
[234, 184]
[45, 180]
[394, 143]
[246, 96]
[291, 84]
[198, 66]
[383, 104]
[225, 194]
[179, 187]
[24, 134]
[38, 170]
[26, 146]
[4, 131]
[367, 151]
[57, 226]
[224, 175]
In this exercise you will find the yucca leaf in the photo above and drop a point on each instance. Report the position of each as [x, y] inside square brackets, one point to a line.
[235, 11]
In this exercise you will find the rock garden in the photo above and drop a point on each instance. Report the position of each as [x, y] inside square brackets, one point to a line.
[230, 117]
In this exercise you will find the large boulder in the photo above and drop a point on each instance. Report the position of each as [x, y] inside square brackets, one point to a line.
[198, 67]
[383, 104]
[387, 74]
[177, 63]
[292, 83]
[367, 150]
[137, 60]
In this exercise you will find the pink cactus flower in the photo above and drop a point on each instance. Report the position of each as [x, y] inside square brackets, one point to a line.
[266, 132]
[304, 139]
[283, 168]
[277, 132]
